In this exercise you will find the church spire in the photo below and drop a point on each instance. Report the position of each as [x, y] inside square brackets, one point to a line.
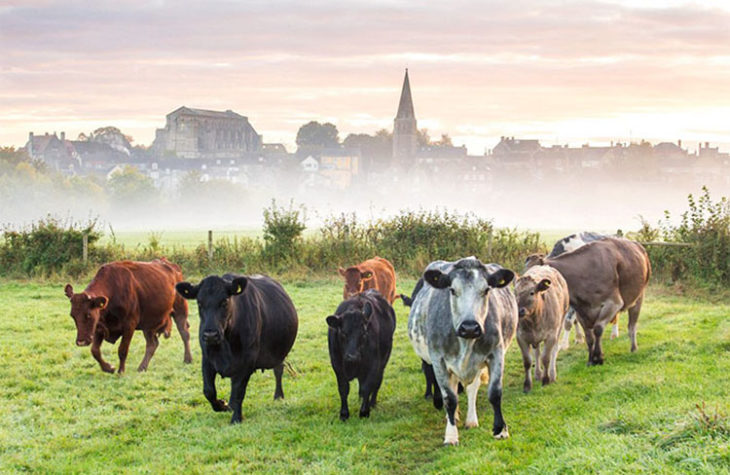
[405, 107]
[405, 128]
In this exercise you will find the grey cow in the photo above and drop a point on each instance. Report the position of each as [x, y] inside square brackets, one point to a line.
[462, 323]
[542, 300]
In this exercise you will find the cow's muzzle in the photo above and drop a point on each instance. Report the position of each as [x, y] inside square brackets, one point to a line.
[84, 342]
[522, 312]
[469, 329]
[351, 357]
[212, 338]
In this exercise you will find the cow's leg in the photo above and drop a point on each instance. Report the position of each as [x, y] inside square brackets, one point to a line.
[376, 388]
[471, 396]
[238, 392]
[279, 391]
[180, 315]
[568, 323]
[614, 328]
[633, 320]
[96, 353]
[496, 368]
[218, 405]
[124, 348]
[343, 386]
[448, 385]
[538, 370]
[608, 311]
[150, 337]
[549, 355]
[428, 373]
[526, 363]
[438, 400]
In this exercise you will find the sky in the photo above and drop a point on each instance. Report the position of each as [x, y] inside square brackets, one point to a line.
[564, 72]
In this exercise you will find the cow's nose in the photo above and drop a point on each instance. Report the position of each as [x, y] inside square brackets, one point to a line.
[350, 357]
[522, 312]
[80, 343]
[211, 337]
[469, 329]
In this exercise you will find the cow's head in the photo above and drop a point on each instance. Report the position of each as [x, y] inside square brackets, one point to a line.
[354, 280]
[469, 283]
[534, 260]
[530, 294]
[351, 327]
[215, 305]
[86, 312]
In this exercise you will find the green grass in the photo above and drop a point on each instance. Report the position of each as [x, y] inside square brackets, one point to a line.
[185, 239]
[637, 413]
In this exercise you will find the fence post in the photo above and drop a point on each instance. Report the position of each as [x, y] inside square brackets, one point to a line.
[210, 246]
[85, 248]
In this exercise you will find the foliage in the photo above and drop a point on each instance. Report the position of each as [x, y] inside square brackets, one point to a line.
[48, 246]
[312, 137]
[705, 228]
[129, 185]
[283, 228]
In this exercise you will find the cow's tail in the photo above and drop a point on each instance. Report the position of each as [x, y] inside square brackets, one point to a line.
[290, 369]
[407, 301]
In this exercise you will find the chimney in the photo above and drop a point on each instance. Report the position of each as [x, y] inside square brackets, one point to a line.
[707, 144]
[679, 143]
[63, 136]
[30, 136]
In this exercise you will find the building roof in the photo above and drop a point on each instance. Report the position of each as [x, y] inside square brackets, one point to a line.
[405, 107]
[228, 114]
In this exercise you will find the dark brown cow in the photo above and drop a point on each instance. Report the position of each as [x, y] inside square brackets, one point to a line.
[126, 296]
[604, 277]
[376, 273]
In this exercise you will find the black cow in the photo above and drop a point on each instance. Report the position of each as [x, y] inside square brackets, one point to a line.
[360, 337]
[246, 323]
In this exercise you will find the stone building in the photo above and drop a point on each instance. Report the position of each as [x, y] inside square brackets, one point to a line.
[405, 130]
[198, 133]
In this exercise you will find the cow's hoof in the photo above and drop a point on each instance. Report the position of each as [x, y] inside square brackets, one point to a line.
[451, 443]
[546, 381]
[527, 387]
[107, 369]
[188, 359]
[142, 368]
[344, 415]
[278, 396]
[221, 406]
[471, 424]
[503, 434]
[365, 413]
[236, 420]
[428, 396]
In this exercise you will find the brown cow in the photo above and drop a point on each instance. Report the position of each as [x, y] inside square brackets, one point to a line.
[125, 296]
[376, 273]
[542, 300]
[604, 277]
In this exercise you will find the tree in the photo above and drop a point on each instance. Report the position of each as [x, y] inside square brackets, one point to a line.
[312, 137]
[130, 186]
[376, 148]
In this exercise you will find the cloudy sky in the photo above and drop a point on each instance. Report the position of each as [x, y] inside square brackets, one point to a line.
[561, 71]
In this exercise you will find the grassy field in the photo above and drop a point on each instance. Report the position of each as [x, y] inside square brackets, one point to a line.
[637, 413]
[186, 239]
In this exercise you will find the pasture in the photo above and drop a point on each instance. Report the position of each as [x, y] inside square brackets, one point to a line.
[637, 413]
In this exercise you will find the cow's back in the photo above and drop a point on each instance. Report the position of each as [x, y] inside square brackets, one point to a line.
[384, 277]
[266, 321]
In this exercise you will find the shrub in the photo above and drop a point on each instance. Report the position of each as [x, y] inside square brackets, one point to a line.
[283, 228]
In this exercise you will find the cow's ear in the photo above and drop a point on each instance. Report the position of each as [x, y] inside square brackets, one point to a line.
[187, 290]
[341, 271]
[367, 275]
[69, 290]
[99, 302]
[543, 285]
[334, 321]
[238, 285]
[500, 278]
[367, 310]
[437, 278]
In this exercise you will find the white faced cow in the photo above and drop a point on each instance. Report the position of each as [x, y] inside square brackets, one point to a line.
[462, 322]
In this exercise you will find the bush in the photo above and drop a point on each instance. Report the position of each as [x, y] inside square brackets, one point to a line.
[283, 228]
[46, 247]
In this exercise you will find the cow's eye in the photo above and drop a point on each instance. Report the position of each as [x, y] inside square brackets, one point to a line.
[453, 292]
[532, 293]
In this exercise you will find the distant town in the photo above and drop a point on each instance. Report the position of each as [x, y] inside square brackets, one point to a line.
[224, 145]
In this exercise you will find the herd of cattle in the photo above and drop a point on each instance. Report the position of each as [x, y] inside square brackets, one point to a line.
[463, 317]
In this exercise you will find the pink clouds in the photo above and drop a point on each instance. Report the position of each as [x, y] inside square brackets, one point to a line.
[475, 65]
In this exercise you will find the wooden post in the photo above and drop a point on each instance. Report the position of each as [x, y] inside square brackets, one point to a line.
[210, 245]
[85, 248]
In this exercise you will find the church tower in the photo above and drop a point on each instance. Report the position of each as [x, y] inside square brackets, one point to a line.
[405, 132]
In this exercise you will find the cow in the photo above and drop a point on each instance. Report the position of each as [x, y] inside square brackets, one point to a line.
[125, 296]
[604, 277]
[246, 323]
[462, 322]
[376, 273]
[569, 244]
[360, 338]
[542, 300]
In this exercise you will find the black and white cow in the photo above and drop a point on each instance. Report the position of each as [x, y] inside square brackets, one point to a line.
[360, 338]
[462, 323]
[246, 323]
